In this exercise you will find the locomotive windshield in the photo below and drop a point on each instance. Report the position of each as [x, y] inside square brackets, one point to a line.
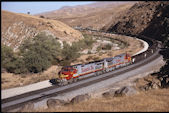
[67, 69]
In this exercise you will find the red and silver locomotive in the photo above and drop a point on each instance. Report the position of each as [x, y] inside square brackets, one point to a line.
[69, 74]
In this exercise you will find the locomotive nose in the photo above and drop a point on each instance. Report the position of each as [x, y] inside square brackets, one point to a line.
[59, 72]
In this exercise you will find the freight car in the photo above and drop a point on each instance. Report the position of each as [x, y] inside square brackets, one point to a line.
[69, 74]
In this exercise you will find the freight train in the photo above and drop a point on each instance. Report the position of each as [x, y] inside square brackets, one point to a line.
[69, 74]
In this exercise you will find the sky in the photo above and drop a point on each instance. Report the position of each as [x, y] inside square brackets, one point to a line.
[38, 7]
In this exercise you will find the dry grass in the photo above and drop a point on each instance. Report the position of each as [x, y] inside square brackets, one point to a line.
[9, 80]
[152, 100]
[80, 15]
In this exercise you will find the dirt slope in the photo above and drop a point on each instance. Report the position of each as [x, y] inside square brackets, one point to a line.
[17, 27]
[95, 15]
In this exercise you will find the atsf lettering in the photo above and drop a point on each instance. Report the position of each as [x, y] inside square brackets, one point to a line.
[87, 69]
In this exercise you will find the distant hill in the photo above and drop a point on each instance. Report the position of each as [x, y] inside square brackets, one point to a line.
[95, 15]
[17, 27]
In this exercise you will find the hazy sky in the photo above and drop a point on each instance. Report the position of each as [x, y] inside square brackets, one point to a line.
[38, 7]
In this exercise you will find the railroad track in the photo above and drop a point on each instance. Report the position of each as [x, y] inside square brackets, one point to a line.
[141, 59]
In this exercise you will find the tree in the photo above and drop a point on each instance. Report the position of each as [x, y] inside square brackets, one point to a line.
[69, 54]
[37, 60]
[40, 52]
[6, 55]
[11, 62]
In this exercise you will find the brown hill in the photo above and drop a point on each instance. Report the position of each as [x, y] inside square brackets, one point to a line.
[17, 27]
[95, 15]
[143, 18]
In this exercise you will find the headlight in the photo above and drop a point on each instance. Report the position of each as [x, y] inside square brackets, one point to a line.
[63, 76]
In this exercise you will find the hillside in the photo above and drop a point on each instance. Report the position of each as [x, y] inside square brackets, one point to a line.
[143, 18]
[17, 27]
[150, 101]
[90, 15]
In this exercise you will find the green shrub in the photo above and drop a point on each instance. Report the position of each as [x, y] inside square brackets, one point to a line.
[11, 62]
[6, 55]
[40, 52]
[88, 40]
[107, 47]
[69, 54]
[17, 66]
[99, 48]
[37, 60]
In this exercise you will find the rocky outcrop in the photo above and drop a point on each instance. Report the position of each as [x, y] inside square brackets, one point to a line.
[152, 82]
[55, 102]
[80, 98]
[108, 94]
[143, 18]
[125, 91]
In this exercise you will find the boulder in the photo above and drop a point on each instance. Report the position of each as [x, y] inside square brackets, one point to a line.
[154, 84]
[55, 102]
[108, 94]
[145, 87]
[80, 98]
[127, 90]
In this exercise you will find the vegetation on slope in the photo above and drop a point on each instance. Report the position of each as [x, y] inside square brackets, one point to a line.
[16, 27]
[39, 53]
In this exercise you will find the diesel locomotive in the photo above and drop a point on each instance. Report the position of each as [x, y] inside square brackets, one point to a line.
[69, 74]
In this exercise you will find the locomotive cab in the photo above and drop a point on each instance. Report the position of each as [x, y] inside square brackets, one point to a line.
[128, 57]
[67, 72]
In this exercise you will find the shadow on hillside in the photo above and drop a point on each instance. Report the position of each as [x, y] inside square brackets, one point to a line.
[157, 28]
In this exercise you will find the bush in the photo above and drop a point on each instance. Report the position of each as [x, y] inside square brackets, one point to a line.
[17, 66]
[107, 47]
[37, 60]
[69, 54]
[88, 40]
[40, 52]
[11, 62]
[99, 48]
[6, 55]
